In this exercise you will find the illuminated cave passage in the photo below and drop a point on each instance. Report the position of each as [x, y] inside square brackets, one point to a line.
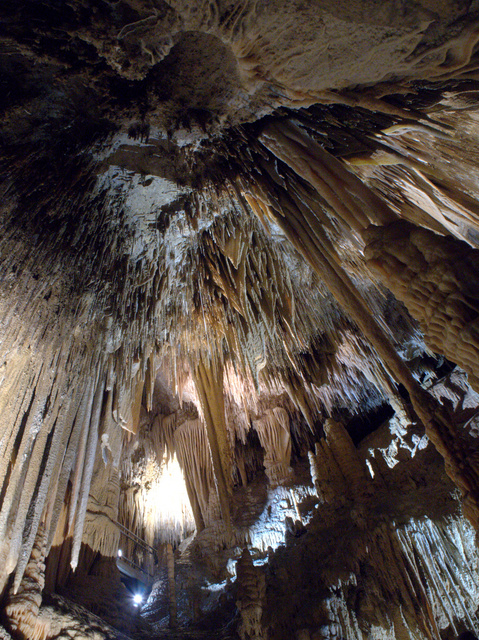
[239, 319]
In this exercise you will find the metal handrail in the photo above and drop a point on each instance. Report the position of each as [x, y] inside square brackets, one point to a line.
[135, 538]
[135, 566]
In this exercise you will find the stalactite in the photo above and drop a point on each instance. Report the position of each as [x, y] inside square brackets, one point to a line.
[194, 456]
[159, 485]
[208, 379]
[275, 438]
[99, 531]
[305, 232]
[419, 186]
[347, 196]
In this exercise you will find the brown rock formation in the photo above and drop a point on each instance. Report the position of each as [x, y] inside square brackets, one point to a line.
[210, 216]
[336, 469]
[251, 593]
[23, 606]
[437, 279]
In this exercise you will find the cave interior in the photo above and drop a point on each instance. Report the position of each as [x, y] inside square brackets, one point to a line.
[239, 319]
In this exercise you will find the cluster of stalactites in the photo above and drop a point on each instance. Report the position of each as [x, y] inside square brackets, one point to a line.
[202, 440]
[425, 561]
[259, 323]
[203, 432]
[216, 289]
[74, 359]
[420, 562]
[295, 165]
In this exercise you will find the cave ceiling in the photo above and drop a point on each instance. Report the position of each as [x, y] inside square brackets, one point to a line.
[224, 227]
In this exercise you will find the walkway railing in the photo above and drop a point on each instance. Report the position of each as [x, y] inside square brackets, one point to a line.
[136, 557]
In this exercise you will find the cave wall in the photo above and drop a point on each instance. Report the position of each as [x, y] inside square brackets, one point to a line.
[227, 197]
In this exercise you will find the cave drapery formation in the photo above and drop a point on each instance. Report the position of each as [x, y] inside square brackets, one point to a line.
[239, 319]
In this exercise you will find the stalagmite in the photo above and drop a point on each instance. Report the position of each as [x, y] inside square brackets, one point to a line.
[326, 474]
[251, 593]
[170, 560]
[346, 456]
[23, 607]
[336, 467]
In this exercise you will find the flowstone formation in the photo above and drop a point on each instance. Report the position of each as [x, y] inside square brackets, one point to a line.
[239, 319]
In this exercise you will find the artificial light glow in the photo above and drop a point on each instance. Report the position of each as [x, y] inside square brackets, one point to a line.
[166, 506]
[120, 553]
[137, 598]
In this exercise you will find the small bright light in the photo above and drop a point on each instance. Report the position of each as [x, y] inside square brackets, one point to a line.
[120, 553]
[137, 598]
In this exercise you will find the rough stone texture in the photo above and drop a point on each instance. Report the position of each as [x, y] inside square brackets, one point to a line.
[437, 280]
[336, 469]
[23, 605]
[63, 619]
[251, 593]
[186, 313]
[356, 572]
